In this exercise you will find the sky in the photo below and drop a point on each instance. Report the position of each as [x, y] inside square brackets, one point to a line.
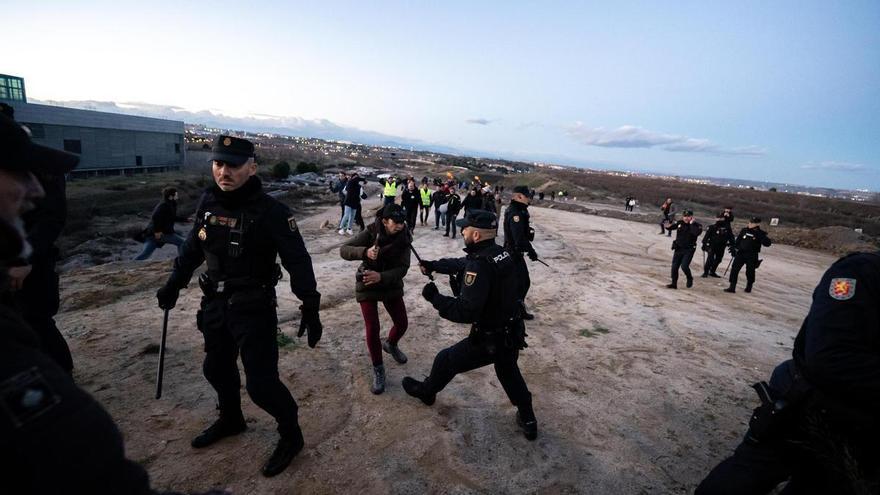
[778, 91]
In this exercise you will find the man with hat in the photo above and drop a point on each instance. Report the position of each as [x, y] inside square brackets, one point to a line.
[239, 230]
[745, 251]
[54, 437]
[684, 246]
[718, 237]
[518, 237]
[488, 301]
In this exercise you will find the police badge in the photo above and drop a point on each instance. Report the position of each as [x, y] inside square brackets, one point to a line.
[203, 234]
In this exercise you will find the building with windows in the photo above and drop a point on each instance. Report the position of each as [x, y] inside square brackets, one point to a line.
[108, 143]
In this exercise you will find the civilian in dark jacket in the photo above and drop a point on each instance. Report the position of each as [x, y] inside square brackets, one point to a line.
[383, 248]
[338, 187]
[473, 201]
[351, 204]
[438, 199]
[410, 200]
[161, 229]
[453, 206]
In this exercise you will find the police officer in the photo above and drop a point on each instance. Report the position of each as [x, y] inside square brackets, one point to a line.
[684, 246]
[239, 230]
[745, 252]
[488, 301]
[718, 238]
[727, 214]
[517, 241]
[817, 424]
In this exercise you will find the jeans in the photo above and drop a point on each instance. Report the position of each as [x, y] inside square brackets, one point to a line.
[347, 218]
[439, 217]
[151, 244]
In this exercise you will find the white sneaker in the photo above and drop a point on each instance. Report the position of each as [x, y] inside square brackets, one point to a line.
[348, 232]
[341, 232]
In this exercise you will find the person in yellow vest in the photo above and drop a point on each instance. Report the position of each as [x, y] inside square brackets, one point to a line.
[389, 193]
[425, 205]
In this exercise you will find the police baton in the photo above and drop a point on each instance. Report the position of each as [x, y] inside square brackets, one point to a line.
[728, 266]
[430, 276]
[542, 262]
[161, 369]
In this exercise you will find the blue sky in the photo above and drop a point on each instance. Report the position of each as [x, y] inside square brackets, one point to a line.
[780, 91]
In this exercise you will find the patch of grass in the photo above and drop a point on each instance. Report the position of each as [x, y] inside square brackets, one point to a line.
[593, 332]
[285, 340]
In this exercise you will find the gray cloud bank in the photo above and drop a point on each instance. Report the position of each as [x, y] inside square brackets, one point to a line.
[629, 136]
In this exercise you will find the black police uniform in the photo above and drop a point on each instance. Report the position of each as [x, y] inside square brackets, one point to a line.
[684, 247]
[238, 234]
[825, 401]
[718, 238]
[488, 300]
[746, 249]
[517, 241]
[38, 298]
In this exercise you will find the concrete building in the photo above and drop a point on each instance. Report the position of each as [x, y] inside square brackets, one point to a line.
[108, 143]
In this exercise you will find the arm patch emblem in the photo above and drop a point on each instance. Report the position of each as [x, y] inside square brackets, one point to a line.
[291, 222]
[26, 396]
[516, 218]
[469, 278]
[842, 288]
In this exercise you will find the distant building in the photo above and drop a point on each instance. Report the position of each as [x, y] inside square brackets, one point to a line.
[108, 143]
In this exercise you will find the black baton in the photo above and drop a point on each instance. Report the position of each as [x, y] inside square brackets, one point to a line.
[161, 369]
[420, 261]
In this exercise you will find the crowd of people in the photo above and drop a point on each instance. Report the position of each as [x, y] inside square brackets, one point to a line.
[816, 425]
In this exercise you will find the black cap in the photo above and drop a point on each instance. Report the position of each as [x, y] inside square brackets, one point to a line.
[687, 213]
[232, 150]
[755, 220]
[521, 189]
[394, 212]
[479, 219]
[18, 152]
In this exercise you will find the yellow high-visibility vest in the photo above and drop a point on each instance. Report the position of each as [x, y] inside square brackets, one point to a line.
[426, 196]
[390, 189]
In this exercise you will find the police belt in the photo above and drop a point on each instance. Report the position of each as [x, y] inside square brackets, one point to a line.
[213, 288]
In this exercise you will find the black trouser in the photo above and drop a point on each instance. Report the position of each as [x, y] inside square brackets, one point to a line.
[522, 275]
[38, 300]
[750, 260]
[249, 330]
[713, 259]
[412, 213]
[682, 259]
[423, 213]
[358, 219]
[469, 355]
[450, 223]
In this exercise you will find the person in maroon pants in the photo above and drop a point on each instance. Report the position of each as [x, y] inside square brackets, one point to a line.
[384, 250]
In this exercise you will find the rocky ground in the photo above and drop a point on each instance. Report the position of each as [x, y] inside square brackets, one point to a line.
[638, 389]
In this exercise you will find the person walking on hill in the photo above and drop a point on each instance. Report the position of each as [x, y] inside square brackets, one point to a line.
[352, 203]
[684, 246]
[410, 200]
[384, 250]
[718, 238]
[338, 186]
[473, 201]
[161, 229]
[389, 190]
[518, 237]
[667, 209]
[439, 199]
[453, 206]
[425, 205]
[745, 251]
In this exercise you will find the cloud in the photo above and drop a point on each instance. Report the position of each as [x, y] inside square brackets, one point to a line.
[835, 166]
[478, 121]
[630, 136]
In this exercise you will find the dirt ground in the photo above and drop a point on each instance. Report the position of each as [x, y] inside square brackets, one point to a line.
[637, 388]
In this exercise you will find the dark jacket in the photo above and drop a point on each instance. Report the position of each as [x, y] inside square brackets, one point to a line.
[718, 236]
[749, 241]
[410, 199]
[517, 229]
[687, 235]
[472, 201]
[392, 264]
[438, 198]
[164, 216]
[454, 207]
[353, 190]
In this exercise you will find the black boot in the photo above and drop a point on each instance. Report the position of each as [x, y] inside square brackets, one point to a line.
[395, 352]
[704, 275]
[416, 389]
[525, 312]
[714, 275]
[222, 428]
[749, 288]
[690, 283]
[673, 285]
[730, 289]
[525, 418]
[285, 451]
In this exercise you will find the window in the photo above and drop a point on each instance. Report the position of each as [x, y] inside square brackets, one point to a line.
[139, 161]
[73, 146]
[11, 88]
[177, 148]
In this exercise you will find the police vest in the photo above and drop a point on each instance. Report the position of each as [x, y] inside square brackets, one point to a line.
[390, 189]
[426, 196]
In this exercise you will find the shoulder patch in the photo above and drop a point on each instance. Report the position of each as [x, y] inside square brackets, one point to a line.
[26, 396]
[291, 222]
[469, 278]
[516, 218]
[842, 288]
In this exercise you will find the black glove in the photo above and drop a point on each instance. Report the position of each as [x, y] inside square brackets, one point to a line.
[167, 296]
[310, 322]
[732, 250]
[428, 265]
[533, 255]
[430, 291]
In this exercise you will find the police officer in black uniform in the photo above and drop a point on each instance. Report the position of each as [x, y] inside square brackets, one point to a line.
[684, 246]
[718, 238]
[817, 425]
[488, 301]
[238, 231]
[745, 252]
[517, 241]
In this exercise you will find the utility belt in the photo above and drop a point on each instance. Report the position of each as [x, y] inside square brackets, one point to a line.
[676, 246]
[214, 288]
[511, 336]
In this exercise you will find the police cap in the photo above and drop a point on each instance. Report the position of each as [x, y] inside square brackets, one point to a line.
[479, 219]
[232, 150]
[755, 220]
[19, 153]
[687, 213]
[521, 190]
